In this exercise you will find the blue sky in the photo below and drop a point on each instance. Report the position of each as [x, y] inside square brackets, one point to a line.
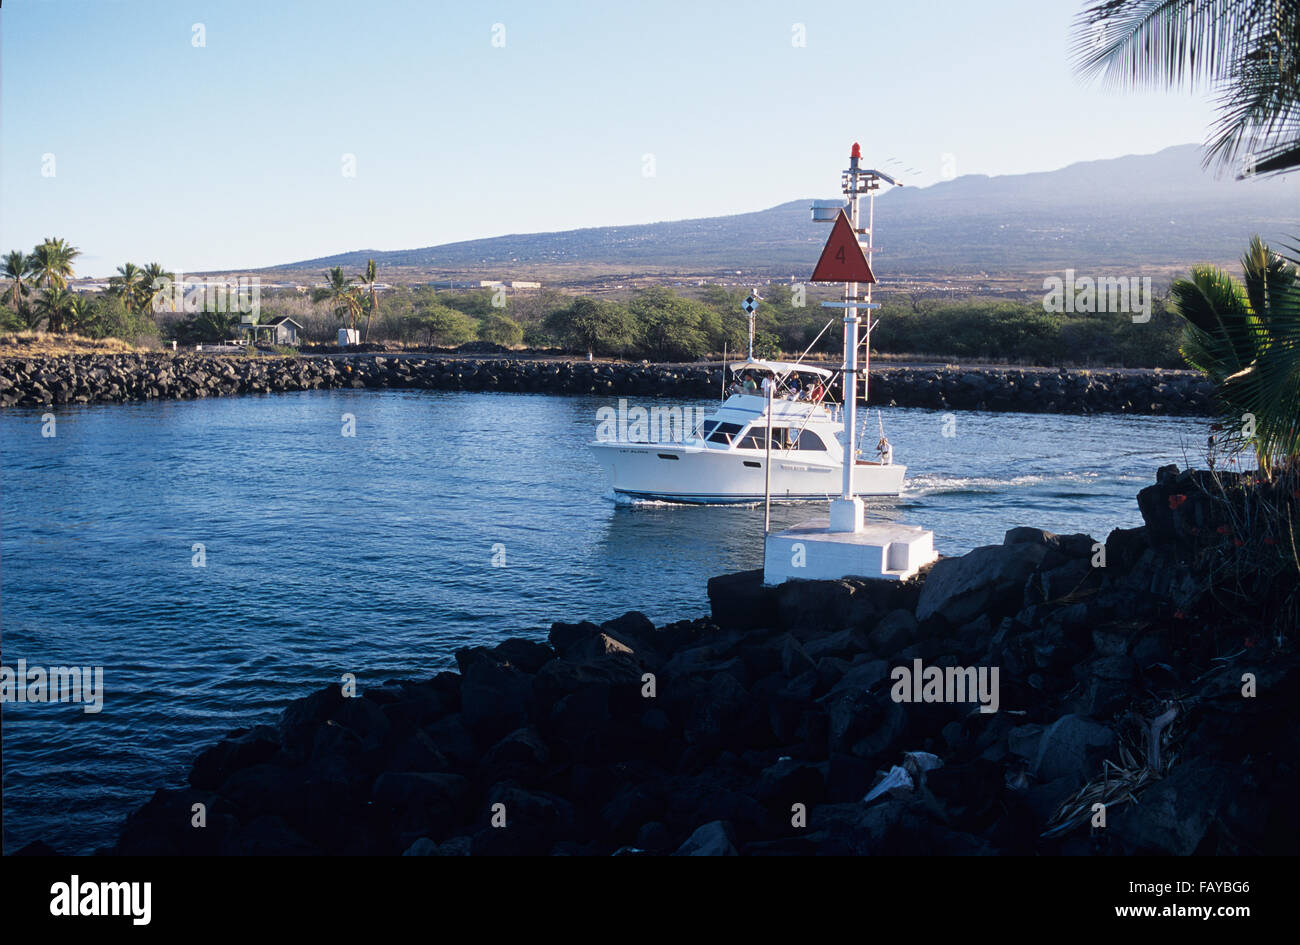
[231, 154]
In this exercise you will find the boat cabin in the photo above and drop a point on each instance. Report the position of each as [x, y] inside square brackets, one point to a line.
[801, 417]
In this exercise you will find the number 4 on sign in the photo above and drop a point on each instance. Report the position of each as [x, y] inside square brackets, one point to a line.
[843, 260]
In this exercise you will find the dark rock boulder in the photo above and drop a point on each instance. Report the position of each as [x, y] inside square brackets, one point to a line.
[893, 632]
[989, 580]
[740, 601]
[495, 699]
[1072, 748]
[711, 839]
[300, 719]
[790, 782]
[236, 751]
[1174, 815]
[419, 789]
[527, 655]
[521, 755]
[566, 637]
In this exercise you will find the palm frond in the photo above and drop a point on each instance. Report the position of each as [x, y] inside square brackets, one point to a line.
[1246, 51]
[1162, 42]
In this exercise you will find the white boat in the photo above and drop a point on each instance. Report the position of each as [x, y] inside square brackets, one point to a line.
[725, 459]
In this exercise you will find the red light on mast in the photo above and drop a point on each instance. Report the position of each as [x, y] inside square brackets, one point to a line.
[856, 152]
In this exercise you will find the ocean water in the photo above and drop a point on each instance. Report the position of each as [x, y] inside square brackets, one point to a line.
[447, 519]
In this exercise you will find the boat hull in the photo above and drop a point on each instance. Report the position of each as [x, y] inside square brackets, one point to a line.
[710, 477]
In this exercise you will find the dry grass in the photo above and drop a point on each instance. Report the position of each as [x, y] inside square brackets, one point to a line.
[1146, 753]
[45, 344]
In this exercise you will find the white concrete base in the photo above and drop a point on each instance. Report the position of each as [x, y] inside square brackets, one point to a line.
[846, 515]
[812, 551]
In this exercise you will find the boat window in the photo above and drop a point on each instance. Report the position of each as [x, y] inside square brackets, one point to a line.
[707, 427]
[783, 438]
[755, 438]
[724, 433]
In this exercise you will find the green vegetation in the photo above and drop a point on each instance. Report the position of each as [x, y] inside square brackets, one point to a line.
[656, 323]
[204, 328]
[979, 329]
[444, 326]
[592, 325]
[501, 330]
[341, 294]
[1245, 337]
[369, 280]
[38, 296]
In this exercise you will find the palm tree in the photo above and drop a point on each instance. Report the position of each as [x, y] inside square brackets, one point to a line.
[1247, 51]
[126, 285]
[367, 280]
[53, 304]
[342, 295]
[52, 263]
[17, 267]
[1245, 336]
[154, 281]
[81, 314]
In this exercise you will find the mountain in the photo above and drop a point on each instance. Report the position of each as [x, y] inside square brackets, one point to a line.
[1138, 212]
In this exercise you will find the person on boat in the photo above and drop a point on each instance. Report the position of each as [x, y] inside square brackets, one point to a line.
[796, 389]
[767, 386]
[886, 452]
[749, 387]
[817, 392]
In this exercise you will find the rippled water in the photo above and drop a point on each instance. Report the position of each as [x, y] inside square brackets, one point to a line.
[373, 554]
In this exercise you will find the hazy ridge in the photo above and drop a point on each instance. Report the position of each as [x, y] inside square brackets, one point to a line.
[1144, 211]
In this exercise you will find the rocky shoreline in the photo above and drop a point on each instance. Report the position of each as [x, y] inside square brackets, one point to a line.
[778, 725]
[91, 379]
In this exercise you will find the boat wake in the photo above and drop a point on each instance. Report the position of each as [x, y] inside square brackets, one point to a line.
[933, 484]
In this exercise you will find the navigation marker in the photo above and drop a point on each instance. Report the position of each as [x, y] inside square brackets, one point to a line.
[842, 259]
[843, 544]
[750, 305]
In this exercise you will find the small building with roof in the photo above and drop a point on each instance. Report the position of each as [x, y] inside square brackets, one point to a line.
[279, 330]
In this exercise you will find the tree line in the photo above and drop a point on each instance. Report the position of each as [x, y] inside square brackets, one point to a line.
[656, 323]
[38, 297]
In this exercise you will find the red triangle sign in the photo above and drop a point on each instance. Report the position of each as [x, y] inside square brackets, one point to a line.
[842, 259]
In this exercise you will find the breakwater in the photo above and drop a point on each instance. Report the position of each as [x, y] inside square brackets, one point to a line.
[88, 379]
[1134, 714]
